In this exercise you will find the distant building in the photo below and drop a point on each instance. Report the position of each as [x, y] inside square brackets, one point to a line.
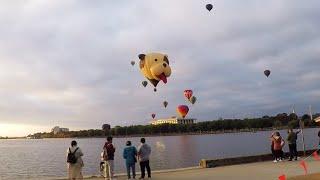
[57, 129]
[173, 120]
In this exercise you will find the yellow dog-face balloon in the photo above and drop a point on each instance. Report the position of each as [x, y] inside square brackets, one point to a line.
[155, 67]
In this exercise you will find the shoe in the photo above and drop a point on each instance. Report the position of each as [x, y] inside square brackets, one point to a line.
[296, 159]
[275, 161]
[289, 159]
[280, 160]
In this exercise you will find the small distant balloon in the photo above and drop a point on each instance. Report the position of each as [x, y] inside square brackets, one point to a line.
[193, 99]
[209, 7]
[188, 93]
[165, 104]
[144, 83]
[133, 63]
[153, 116]
[267, 73]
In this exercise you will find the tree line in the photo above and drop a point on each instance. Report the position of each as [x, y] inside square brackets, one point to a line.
[280, 121]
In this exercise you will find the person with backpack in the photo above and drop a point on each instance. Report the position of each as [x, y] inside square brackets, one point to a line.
[129, 154]
[144, 152]
[75, 162]
[109, 150]
[292, 142]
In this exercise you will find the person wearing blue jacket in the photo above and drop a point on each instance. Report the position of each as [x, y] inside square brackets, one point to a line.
[129, 154]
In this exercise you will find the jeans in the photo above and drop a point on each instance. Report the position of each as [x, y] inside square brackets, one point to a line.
[293, 151]
[133, 167]
[143, 166]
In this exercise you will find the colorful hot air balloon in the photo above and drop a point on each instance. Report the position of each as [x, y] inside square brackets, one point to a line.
[165, 104]
[155, 67]
[267, 72]
[182, 110]
[153, 115]
[132, 63]
[144, 83]
[209, 7]
[188, 93]
[193, 99]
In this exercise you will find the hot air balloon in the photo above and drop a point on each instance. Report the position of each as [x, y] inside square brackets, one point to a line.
[155, 67]
[188, 93]
[182, 110]
[132, 63]
[209, 7]
[153, 115]
[165, 104]
[193, 99]
[144, 83]
[267, 72]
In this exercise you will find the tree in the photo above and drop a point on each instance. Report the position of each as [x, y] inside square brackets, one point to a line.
[293, 124]
[293, 116]
[106, 128]
[277, 124]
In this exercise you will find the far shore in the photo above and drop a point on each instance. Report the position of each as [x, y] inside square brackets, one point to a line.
[169, 134]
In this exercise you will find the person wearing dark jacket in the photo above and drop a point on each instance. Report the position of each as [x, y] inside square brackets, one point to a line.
[292, 142]
[109, 150]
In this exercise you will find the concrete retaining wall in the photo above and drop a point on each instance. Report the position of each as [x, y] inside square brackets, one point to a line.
[206, 163]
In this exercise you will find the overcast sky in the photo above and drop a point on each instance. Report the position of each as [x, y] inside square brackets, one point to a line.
[67, 63]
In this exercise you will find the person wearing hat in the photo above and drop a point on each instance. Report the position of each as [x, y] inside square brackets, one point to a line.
[129, 154]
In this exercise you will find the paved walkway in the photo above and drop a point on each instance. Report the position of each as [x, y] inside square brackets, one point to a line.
[252, 171]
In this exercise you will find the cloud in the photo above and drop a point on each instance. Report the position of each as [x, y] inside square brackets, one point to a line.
[68, 62]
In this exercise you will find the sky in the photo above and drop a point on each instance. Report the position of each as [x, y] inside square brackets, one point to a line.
[67, 63]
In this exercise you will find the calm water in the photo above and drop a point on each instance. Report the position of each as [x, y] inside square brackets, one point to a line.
[22, 159]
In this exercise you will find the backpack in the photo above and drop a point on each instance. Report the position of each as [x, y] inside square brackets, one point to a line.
[72, 159]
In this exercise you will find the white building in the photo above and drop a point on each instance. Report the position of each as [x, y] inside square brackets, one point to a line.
[174, 120]
[57, 129]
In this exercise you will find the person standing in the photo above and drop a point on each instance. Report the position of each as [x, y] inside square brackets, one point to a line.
[109, 151]
[144, 152]
[129, 154]
[292, 142]
[278, 143]
[272, 144]
[75, 162]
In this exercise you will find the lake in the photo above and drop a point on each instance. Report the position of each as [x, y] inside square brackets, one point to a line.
[44, 158]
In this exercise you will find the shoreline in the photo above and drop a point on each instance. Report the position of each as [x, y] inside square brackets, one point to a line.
[207, 164]
[240, 166]
[172, 134]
